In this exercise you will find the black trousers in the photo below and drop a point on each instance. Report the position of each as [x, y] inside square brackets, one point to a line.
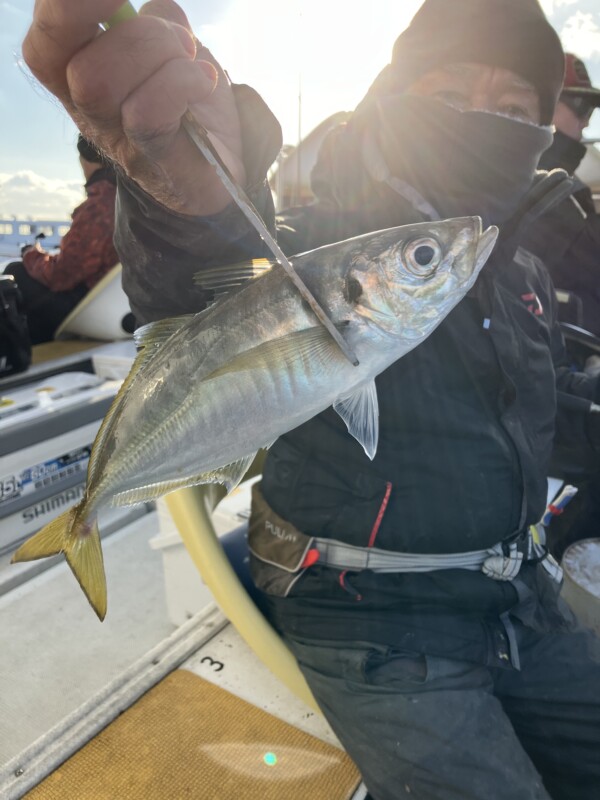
[429, 728]
[44, 308]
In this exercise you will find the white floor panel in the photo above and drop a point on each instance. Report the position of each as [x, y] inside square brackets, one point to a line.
[54, 652]
[227, 661]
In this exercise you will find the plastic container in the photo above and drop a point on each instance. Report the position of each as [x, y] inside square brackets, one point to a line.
[581, 587]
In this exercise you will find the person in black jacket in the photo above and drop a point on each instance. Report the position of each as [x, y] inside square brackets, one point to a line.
[567, 238]
[442, 682]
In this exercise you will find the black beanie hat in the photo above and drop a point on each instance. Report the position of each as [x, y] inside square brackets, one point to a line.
[513, 34]
[89, 151]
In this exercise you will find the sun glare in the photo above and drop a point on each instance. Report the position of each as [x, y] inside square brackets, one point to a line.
[326, 51]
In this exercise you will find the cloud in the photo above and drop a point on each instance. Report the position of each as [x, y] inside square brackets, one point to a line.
[550, 6]
[15, 21]
[581, 34]
[25, 194]
[7, 7]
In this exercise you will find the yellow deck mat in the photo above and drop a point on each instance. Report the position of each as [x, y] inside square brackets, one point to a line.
[187, 738]
[51, 350]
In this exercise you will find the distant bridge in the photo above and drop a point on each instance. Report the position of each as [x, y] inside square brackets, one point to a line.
[14, 233]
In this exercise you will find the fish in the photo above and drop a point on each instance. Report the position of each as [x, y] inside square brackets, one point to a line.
[207, 391]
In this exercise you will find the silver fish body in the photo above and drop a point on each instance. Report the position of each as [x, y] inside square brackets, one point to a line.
[208, 391]
[257, 364]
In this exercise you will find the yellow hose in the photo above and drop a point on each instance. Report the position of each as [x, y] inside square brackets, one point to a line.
[191, 511]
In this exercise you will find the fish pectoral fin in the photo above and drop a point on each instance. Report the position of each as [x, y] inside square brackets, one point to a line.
[229, 475]
[314, 345]
[157, 333]
[360, 412]
[223, 279]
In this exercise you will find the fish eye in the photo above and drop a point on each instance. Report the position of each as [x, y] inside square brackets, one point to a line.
[354, 289]
[422, 256]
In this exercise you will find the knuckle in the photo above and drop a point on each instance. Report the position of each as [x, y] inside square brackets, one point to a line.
[33, 54]
[90, 91]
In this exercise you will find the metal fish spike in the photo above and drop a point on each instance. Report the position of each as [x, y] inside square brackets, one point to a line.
[208, 390]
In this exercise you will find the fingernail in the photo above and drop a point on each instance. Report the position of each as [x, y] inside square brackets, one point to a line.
[209, 70]
[186, 39]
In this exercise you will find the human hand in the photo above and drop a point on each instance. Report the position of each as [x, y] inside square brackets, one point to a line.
[127, 89]
[35, 246]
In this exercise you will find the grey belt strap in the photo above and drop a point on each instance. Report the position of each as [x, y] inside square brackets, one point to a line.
[346, 556]
[499, 562]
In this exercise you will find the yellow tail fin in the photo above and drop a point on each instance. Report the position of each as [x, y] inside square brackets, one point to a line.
[79, 540]
[47, 542]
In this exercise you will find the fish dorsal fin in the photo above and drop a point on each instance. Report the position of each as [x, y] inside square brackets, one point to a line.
[229, 475]
[157, 333]
[111, 414]
[223, 279]
[312, 344]
[360, 412]
[149, 338]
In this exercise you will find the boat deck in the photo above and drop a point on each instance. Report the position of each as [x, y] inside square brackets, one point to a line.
[69, 675]
[66, 677]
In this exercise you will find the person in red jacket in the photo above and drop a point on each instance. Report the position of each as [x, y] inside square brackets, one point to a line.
[52, 285]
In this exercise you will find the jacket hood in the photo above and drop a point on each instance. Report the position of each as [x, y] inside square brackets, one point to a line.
[513, 34]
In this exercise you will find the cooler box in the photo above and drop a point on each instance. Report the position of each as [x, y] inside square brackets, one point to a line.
[47, 430]
[581, 587]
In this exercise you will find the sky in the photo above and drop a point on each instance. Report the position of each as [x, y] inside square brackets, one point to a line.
[308, 59]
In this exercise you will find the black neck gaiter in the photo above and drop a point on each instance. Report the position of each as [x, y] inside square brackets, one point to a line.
[460, 163]
[564, 152]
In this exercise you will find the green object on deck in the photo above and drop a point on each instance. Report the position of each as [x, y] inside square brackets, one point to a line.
[127, 11]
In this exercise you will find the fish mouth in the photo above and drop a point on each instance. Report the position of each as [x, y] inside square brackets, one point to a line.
[485, 245]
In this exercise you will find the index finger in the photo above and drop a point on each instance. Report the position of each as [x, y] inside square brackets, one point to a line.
[60, 28]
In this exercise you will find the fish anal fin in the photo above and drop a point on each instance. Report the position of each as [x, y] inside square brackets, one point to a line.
[360, 412]
[229, 475]
[232, 474]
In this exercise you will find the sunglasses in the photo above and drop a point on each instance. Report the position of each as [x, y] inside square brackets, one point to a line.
[580, 106]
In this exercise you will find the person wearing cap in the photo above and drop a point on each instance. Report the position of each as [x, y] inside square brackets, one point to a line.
[567, 238]
[52, 284]
[574, 109]
[445, 683]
